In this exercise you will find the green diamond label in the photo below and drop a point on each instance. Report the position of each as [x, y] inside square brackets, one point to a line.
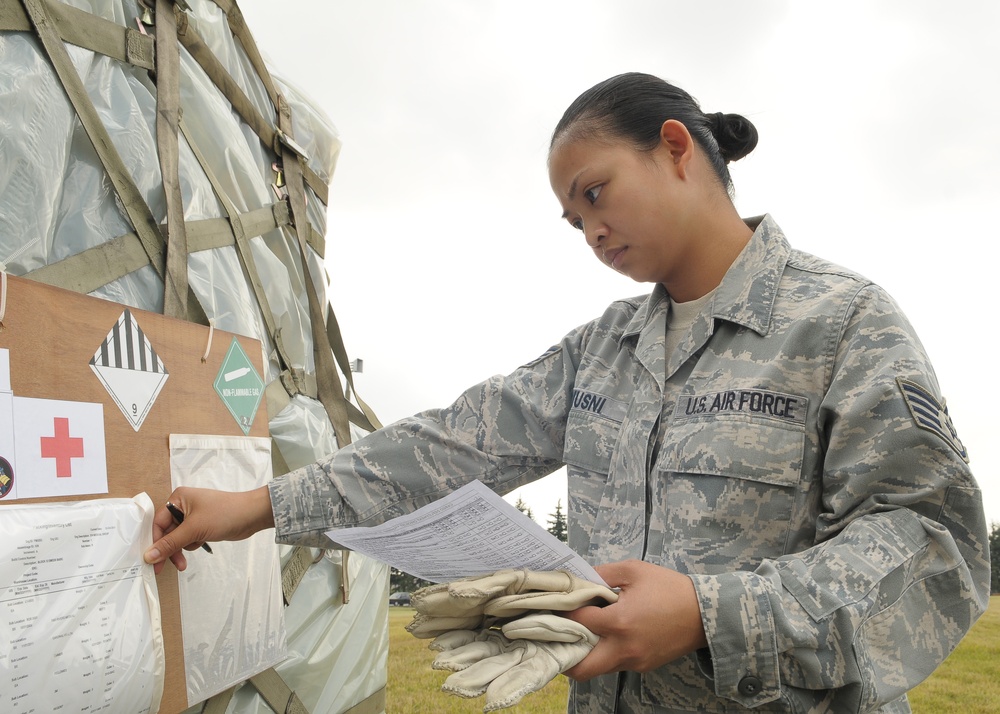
[239, 386]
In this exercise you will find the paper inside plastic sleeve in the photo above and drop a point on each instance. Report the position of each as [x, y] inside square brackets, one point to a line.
[79, 611]
[232, 612]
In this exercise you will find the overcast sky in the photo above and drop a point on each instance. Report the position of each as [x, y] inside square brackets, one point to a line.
[448, 261]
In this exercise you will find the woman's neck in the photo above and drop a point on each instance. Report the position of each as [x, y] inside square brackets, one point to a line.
[720, 239]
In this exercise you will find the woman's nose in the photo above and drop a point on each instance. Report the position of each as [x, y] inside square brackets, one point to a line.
[595, 236]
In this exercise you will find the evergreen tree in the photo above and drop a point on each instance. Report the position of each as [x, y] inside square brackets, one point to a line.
[400, 582]
[524, 508]
[557, 522]
[995, 559]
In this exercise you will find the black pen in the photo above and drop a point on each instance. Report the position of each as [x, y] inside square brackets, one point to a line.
[178, 515]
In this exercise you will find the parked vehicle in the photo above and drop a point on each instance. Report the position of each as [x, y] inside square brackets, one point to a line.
[399, 599]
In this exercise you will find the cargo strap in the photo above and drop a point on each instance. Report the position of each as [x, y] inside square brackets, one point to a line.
[294, 570]
[112, 258]
[219, 703]
[84, 29]
[278, 695]
[345, 579]
[245, 253]
[138, 212]
[330, 391]
[99, 265]
[168, 114]
[41, 15]
[241, 32]
[367, 420]
[372, 704]
[241, 103]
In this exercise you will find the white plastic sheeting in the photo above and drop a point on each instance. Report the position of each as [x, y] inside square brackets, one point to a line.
[56, 201]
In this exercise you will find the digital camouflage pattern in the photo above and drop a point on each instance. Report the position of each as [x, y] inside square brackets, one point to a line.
[793, 456]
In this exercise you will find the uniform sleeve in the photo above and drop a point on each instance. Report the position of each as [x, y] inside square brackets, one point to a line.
[506, 432]
[900, 570]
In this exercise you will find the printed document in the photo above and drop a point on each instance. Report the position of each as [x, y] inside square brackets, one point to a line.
[472, 531]
[79, 613]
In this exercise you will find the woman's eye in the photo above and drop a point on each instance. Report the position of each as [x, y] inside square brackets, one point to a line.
[578, 224]
[591, 194]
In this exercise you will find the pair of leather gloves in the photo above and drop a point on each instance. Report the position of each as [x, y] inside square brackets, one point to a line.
[498, 633]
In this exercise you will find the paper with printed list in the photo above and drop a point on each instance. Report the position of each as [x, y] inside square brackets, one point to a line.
[471, 531]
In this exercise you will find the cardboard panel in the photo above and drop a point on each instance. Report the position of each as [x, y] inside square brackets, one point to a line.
[52, 335]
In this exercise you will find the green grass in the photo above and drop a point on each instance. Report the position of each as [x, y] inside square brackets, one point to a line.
[967, 681]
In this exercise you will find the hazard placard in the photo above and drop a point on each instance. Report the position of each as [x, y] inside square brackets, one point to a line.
[239, 386]
[129, 369]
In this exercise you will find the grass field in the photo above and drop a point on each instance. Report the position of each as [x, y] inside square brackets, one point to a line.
[966, 682]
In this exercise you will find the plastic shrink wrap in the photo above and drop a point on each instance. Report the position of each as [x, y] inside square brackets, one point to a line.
[63, 220]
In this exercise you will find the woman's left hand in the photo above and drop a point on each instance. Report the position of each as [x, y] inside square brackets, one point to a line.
[656, 620]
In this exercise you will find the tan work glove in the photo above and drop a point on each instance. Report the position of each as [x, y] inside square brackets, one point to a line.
[506, 666]
[465, 604]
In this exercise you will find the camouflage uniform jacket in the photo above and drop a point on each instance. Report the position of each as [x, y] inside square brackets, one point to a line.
[793, 456]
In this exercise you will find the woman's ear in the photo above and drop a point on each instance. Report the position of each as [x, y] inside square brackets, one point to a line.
[677, 142]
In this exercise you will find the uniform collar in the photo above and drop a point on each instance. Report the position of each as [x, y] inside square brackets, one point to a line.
[747, 291]
[746, 294]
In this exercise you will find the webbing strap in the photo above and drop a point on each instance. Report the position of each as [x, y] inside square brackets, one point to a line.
[168, 101]
[294, 570]
[345, 576]
[84, 29]
[239, 28]
[218, 703]
[215, 70]
[240, 102]
[277, 398]
[135, 206]
[243, 251]
[331, 392]
[278, 695]
[372, 704]
[278, 465]
[369, 422]
[99, 265]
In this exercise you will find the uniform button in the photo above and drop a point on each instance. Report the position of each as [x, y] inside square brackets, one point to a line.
[749, 686]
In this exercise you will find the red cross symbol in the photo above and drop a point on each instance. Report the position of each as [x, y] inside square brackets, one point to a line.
[62, 447]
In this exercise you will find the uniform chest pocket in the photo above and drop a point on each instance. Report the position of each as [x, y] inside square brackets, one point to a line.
[590, 441]
[724, 493]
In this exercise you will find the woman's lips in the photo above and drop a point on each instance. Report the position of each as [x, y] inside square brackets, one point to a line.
[614, 257]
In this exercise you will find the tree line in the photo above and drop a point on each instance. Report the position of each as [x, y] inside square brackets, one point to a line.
[995, 559]
[400, 581]
[404, 582]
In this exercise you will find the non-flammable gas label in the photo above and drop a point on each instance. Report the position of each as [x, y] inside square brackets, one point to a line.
[239, 386]
[129, 369]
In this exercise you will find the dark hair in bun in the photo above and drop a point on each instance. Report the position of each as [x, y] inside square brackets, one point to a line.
[634, 106]
[735, 135]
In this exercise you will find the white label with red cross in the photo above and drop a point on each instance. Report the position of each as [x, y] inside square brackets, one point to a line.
[59, 448]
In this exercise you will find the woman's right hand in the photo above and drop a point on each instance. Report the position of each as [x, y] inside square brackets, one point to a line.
[209, 516]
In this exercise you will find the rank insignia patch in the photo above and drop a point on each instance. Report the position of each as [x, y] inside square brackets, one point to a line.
[930, 415]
